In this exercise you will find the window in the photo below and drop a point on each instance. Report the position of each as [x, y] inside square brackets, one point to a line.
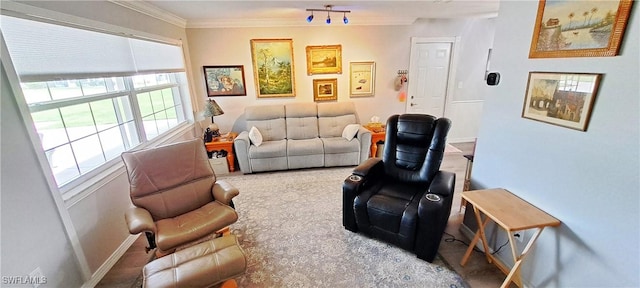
[91, 105]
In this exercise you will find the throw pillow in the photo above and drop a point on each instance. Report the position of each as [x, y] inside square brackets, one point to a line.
[255, 136]
[350, 131]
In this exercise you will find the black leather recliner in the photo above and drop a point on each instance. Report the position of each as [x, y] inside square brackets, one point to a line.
[403, 198]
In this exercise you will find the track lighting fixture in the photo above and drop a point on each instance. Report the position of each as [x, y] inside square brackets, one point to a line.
[329, 9]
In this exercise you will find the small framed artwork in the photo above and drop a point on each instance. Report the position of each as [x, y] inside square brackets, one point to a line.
[273, 67]
[564, 99]
[325, 59]
[325, 89]
[224, 80]
[579, 28]
[362, 77]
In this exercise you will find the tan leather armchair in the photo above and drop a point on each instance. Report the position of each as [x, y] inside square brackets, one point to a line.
[176, 196]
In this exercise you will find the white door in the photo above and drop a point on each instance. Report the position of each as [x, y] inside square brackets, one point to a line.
[428, 77]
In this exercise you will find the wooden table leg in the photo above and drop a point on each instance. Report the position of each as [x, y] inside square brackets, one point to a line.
[472, 245]
[519, 259]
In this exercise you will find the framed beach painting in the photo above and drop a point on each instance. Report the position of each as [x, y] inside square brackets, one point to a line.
[225, 80]
[566, 28]
[273, 67]
[325, 59]
[325, 89]
[362, 76]
[564, 99]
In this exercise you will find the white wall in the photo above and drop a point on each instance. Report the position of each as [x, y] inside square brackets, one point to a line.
[588, 180]
[33, 234]
[388, 46]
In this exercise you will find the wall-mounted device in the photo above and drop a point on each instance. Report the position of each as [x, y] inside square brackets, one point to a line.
[493, 78]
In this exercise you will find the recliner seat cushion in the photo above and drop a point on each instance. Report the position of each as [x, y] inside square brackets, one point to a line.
[194, 225]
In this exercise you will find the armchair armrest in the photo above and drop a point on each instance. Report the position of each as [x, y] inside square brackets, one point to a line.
[364, 135]
[139, 220]
[241, 144]
[223, 192]
[371, 165]
[443, 183]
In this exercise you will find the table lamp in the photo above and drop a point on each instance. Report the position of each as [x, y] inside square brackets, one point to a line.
[213, 109]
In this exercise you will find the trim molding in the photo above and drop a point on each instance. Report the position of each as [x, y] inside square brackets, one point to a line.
[111, 261]
[153, 11]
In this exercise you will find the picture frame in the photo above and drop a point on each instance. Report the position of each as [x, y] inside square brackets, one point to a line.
[273, 67]
[325, 89]
[563, 99]
[326, 59]
[225, 80]
[362, 77]
[579, 28]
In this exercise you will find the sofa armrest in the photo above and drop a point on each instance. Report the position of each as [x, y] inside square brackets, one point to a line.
[364, 136]
[241, 144]
[224, 192]
[139, 220]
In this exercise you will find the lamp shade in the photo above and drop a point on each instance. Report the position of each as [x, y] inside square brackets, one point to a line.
[212, 109]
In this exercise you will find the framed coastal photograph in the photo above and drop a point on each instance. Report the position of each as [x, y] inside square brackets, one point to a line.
[362, 77]
[325, 59]
[325, 89]
[224, 80]
[564, 99]
[273, 67]
[579, 28]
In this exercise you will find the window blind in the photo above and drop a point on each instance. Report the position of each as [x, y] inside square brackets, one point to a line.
[43, 51]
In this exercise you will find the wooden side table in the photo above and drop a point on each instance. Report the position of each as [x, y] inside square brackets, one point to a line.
[512, 214]
[224, 142]
[377, 134]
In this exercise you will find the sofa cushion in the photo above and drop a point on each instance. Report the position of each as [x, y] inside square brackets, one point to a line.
[333, 126]
[302, 121]
[269, 149]
[255, 136]
[335, 145]
[305, 147]
[269, 119]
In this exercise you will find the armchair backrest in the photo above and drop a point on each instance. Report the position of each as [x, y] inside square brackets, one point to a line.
[414, 146]
[170, 180]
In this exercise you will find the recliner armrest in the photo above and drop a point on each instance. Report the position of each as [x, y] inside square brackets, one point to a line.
[139, 220]
[443, 183]
[371, 165]
[223, 192]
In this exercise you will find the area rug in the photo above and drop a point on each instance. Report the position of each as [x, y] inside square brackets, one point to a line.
[290, 227]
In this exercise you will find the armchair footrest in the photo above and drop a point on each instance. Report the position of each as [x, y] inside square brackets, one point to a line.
[202, 265]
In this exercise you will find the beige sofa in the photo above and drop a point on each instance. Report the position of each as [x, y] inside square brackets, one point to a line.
[301, 135]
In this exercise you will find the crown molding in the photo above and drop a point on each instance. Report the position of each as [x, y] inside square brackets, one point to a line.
[150, 10]
[254, 23]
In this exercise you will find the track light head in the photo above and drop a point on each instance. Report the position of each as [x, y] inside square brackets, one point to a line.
[328, 19]
[344, 19]
[310, 18]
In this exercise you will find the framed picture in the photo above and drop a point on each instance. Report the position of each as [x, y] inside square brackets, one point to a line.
[224, 80]
[325, 89]
[273, 67]
[564, 99]
[579, 28]
[362, 77]
[324, 59]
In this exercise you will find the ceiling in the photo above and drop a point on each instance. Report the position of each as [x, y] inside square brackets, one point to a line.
[221, 13]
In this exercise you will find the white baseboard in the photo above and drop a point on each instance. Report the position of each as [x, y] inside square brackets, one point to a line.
[111, 261]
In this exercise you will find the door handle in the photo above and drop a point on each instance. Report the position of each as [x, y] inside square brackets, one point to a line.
[413, 104]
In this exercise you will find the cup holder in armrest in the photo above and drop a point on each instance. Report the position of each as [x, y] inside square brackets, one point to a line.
[432, 197]
[355, 178]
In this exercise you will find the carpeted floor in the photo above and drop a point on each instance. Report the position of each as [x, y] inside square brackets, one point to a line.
[290, 227]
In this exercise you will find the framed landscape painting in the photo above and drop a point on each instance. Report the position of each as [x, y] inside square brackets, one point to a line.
[273, 67]
[362, 77]
[567, 28]
[224, 80]
[325, 89]
[564, 99]
[324, 59]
